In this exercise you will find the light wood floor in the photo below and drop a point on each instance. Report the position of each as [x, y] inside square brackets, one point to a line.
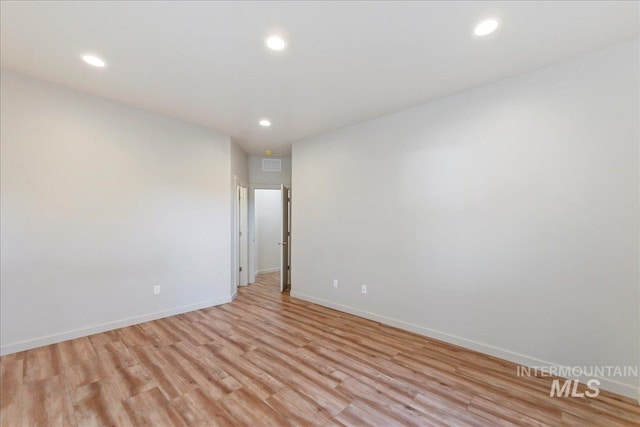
[267, 360]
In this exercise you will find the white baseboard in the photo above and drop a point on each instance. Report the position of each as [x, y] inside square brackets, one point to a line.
[267, 270]
[521, 359]
[83, 332]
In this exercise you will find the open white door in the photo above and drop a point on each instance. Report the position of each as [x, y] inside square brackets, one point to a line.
[285, 242]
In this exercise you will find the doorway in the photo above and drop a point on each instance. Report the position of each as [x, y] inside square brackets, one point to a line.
[271, 236]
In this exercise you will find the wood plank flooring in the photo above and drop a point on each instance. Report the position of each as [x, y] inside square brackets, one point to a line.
[269, 360]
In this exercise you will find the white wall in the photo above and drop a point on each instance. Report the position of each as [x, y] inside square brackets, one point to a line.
[503, 219]
[268, 223]
[100, 202]
[239, 163]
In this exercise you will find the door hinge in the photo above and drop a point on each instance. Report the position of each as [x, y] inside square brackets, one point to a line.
[240, 268]
[288, 267]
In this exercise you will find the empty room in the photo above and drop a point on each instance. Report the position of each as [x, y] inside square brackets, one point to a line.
[319, 213]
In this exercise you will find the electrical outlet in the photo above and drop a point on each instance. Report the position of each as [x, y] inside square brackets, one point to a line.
[156, 289]
[335, 283]
[364, 289]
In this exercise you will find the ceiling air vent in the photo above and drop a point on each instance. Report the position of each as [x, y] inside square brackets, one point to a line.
[271, 165]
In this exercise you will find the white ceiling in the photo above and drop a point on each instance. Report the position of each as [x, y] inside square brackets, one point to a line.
[205, 62]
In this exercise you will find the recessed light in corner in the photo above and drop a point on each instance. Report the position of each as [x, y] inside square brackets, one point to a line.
[93, 60]
[486, 27]
[275, 43]
[265, 122]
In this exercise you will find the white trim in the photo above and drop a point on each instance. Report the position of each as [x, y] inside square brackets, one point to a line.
[236, 255]
[235, 294]
[103, 327]
[238, 180]
[267, 186]
[234, 235]
[521, 359]
[242, 241]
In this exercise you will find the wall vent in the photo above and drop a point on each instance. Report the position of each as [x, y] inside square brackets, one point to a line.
[271, 165]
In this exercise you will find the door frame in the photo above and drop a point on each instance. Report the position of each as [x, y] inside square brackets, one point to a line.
[253, 256]
[241, 242]
[285, 239]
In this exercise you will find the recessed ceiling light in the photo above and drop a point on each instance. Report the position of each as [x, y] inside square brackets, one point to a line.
[265, 123]
[93, 60]
[486, 27]
[275, 43]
